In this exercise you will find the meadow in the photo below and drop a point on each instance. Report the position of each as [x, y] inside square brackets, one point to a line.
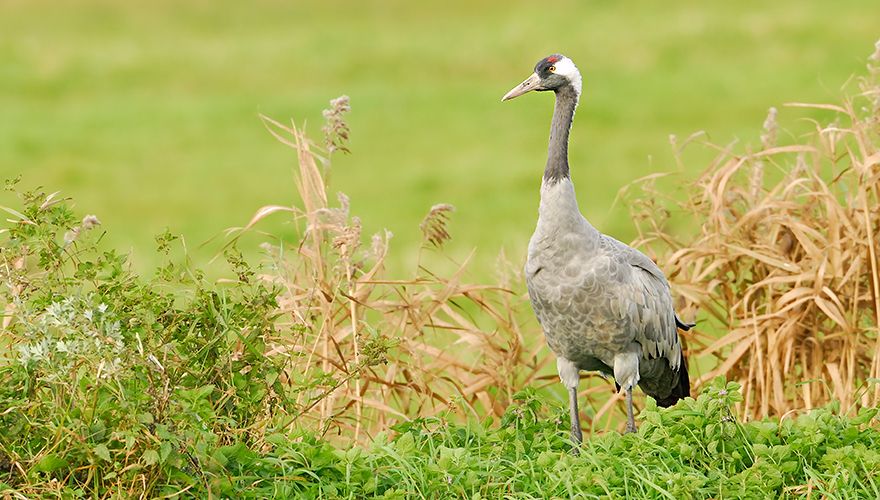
[147, 115]
[312, 373]
[317, 356]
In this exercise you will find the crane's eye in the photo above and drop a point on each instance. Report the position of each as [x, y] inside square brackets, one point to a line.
[552, 69]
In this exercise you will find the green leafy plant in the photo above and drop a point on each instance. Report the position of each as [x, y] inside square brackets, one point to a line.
[115, 383]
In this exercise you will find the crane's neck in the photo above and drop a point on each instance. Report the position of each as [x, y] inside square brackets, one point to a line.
[563, 115]
[558, 212]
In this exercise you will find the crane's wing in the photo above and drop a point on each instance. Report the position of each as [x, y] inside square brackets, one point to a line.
[650, 313]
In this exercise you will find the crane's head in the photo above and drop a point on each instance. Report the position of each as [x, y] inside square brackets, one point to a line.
[551, 73]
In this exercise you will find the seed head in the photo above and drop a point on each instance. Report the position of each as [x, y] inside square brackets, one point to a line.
[433, 226]
[90, 221]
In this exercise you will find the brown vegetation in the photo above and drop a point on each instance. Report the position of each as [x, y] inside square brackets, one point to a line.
[392, 349]
[785, 261]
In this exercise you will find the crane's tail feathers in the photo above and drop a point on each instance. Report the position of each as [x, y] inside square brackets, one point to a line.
[681, 390]
[682, 325]
[682, 387]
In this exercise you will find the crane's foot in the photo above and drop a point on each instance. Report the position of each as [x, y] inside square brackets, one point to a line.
[630, 428]
[576, 437]
[575, 449]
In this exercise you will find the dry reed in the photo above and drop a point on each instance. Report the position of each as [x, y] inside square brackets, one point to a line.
[785, 262]
[390, 349]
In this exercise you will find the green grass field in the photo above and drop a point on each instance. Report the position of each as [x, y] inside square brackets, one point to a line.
[119, 382]
[146, 113]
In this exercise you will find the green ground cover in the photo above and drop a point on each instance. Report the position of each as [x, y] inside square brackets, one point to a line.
[113, 386]
[146, 113]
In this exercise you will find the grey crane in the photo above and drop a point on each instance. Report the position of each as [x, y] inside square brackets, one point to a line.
[603, 305]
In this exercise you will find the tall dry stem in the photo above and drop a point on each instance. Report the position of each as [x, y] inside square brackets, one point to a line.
[386, 349]
[784, 263]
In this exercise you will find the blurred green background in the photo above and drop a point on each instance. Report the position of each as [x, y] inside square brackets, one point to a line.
[146, 112]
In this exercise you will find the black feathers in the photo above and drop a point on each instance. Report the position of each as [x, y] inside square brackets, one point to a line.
[681, 390]
[682, 325]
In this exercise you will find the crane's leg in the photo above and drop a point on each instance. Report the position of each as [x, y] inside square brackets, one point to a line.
[626, 374]
[570, 376]
[630, 420]
[576, 436]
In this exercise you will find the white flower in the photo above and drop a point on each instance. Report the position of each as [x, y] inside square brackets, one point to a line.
[88, 313]
[102, 308]
[90, 221]
[70, 236]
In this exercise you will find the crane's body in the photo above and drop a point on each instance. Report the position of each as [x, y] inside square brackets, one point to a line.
[603, 305]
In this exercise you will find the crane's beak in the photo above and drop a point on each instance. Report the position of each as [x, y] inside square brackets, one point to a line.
[532, 83]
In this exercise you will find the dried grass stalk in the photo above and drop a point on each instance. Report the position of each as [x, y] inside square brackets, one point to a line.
[785, 262]
[455, 348]
[433, 226]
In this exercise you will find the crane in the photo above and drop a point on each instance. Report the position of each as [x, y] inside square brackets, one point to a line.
[603, 305]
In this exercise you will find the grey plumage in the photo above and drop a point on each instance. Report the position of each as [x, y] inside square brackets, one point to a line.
[603, 305]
